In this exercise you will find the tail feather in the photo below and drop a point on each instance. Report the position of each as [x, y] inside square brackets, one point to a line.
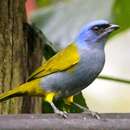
[18, 91]
[10, 94]
[28, 88]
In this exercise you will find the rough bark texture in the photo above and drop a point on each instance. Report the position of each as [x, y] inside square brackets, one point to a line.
[19, 55]
[74, 122]
[35, 40]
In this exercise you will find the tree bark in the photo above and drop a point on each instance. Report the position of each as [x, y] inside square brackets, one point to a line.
[19, 55]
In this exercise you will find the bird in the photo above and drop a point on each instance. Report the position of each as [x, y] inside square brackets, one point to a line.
[70, 70]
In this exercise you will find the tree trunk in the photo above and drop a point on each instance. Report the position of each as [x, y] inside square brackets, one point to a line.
[19, 55]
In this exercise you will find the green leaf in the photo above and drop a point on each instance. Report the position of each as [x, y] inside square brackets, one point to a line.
[121, 14]
[44, 3]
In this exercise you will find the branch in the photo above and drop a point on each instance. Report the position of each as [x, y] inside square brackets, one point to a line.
[74, 122]
[110, 78]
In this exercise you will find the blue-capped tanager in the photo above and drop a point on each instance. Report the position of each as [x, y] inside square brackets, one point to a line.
[71, 69]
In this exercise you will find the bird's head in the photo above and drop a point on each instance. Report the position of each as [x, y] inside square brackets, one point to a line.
[96, 31]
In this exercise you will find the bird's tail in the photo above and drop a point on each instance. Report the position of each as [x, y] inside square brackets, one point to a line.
[24, 89]
[11, 93]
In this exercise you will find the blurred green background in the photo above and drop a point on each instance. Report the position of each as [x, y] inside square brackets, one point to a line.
[61, 20]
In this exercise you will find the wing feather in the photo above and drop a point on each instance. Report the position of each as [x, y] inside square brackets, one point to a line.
[61, 61]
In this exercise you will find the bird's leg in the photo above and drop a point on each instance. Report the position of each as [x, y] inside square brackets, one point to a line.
[86, 110]
[49, 98]
[69, 100]
[57, 111]
[81, 107]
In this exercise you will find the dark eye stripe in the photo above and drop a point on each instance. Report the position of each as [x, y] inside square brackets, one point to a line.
[100, 26]
[104, 26]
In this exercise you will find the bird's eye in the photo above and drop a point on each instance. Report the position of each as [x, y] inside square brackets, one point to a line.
[96, 28]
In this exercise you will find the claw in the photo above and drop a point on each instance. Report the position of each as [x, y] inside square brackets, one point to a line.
[62, 114]
[86, 110]
[94, 114]
[58, 112]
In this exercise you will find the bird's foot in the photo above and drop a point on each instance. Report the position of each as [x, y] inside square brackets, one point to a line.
[94, 114]
[57, 111]
[62, 114]
[86, 110]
